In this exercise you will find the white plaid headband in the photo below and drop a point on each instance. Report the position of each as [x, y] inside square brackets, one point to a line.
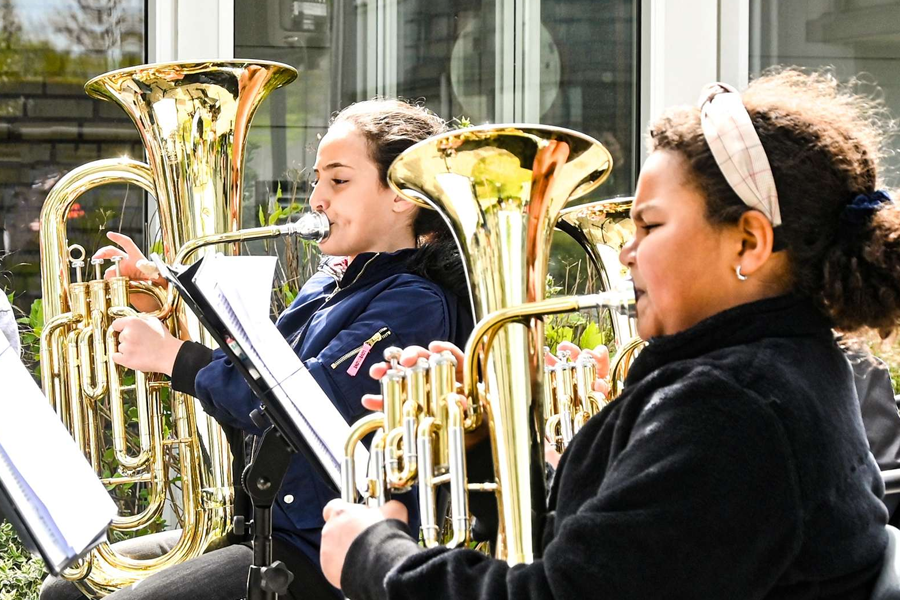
[736, 147]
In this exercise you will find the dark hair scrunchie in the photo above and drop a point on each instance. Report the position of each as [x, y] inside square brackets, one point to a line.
[860, 211]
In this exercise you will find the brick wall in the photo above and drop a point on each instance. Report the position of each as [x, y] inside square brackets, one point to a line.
[47, 128]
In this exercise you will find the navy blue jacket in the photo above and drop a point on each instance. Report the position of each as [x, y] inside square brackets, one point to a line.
[379, 300]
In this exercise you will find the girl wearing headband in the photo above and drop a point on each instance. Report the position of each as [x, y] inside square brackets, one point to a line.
[734, 465]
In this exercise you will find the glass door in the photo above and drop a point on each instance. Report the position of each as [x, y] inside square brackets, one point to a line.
[570, 63]
[856, 39]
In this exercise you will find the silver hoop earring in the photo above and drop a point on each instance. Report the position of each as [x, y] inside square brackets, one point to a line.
[740, 276]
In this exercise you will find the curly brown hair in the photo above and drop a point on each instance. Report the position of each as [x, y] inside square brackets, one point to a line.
[824, 142]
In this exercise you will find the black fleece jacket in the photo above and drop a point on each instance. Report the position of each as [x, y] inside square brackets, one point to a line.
[733, 466]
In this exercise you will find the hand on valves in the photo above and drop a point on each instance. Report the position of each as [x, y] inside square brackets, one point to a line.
[145, 344]
[130, 267]
[409, 357]
[344, 522]
[600, 354]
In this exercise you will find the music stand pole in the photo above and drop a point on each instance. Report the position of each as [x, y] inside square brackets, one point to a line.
[262, 480]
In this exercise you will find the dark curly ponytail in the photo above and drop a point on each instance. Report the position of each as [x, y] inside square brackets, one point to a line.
[861, 286]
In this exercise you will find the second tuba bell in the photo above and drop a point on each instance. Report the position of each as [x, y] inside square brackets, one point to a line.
[601, 228]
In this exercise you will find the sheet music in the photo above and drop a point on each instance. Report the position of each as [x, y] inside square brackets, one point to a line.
[224, 281]
[54, 488]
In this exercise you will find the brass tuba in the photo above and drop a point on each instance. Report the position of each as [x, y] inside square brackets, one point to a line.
[500, 189]
[601, 228]
[193, 120]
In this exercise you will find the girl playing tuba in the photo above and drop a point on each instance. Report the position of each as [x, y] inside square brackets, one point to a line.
[401, 281]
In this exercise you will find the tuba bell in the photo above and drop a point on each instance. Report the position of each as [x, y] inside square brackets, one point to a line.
[193, 120]
[500, 189]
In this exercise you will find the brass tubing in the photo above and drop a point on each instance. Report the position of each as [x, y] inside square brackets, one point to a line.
[621, 363]
[50, 374]
[392, 396]
[125, 479]
[312, 226]
[552, 430]
[400, 444]
[92, 344]
[50, 368]
[550, 407]
[117, 407]
[378, 492]
[565, 391]
[566, 422]
[581, 417]
[442, 381]
[72, 413]
[80, 569]
[392, 391]
[156, 475]
[427, 504]
[358, 431]
[459, 497]
[90, 416]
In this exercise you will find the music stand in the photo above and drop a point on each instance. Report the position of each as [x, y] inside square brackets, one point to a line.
[262, 478]
[32, 497]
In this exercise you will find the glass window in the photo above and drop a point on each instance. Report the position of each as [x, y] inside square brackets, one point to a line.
[588, 66]
[444, 54]
[48, 125]
[857, 38]
[570, 63]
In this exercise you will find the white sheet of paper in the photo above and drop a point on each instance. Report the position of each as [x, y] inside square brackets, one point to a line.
[224, 282]
[57, 473]
[248, 280]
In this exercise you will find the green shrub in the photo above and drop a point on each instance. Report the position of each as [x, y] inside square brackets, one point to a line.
[20, 572]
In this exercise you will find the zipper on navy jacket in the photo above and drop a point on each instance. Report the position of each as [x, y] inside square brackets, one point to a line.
[338, 287]
[379, 335]
[298, 341]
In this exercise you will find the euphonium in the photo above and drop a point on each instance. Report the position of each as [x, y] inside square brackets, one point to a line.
[193, 120]
[602, 228]
[500, 189]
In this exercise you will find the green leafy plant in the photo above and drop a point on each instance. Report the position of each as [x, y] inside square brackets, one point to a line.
[459, 122]
[20, 571]
[585, 329]
[297, 259]
[30, 327]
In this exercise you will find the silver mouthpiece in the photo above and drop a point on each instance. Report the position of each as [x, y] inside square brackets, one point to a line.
[312, 226]
[620, 301]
